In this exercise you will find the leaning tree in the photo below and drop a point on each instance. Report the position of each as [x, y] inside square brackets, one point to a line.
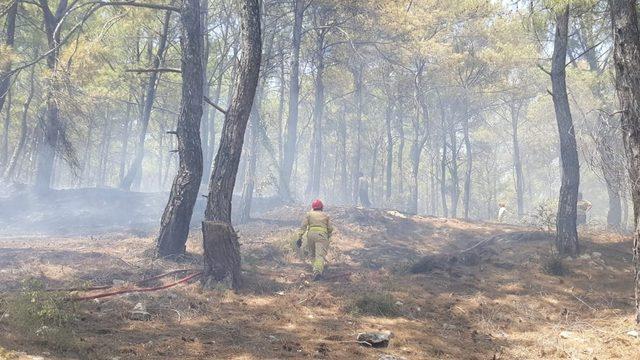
[566, 231]
[174, 226]
[221, 247]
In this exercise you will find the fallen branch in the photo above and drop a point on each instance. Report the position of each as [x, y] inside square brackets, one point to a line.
[136, 290]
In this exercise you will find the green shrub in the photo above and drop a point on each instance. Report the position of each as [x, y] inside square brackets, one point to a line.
[40, 315]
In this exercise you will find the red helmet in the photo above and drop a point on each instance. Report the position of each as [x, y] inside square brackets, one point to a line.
[317, 204]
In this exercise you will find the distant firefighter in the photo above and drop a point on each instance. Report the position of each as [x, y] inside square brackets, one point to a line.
[317, 227]
[502, 211]
[584, 207]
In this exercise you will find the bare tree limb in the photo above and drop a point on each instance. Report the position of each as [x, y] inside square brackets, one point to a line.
[208, 101]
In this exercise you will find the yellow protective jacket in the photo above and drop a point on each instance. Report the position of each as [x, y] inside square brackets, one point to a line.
[316, 221]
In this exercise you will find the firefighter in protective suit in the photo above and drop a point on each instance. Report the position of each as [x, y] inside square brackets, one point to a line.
[317, 226]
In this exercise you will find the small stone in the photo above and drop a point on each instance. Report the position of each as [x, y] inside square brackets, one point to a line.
[139, 313]
[399, 303]
[585, 257]
[375, 339]
[566, 334]
[596, 254]
[281, 293]
[633, 333]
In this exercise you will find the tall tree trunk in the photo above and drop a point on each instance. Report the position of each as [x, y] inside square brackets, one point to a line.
[4, 150]
[281, 102]
[358, 74]
[342, 141]
[51, 126]
[318, 113]
[468, 171]
[453, 171]
[614, 214]
[221, 247]
[10, 34]
[566, 232]
[443, 169]
[372, 175]
[389, 162]
[416, 150]
[174, 226]
[514, 109]
[135, 170]
[255, 118]
[291, 130]
[205, 134]
[626, 55]
[400, 130]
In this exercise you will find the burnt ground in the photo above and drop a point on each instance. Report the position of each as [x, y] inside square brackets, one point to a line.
[468, 301]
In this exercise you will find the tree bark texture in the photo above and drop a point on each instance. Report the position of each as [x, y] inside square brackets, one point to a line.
[626, 38]
[174, 226]
[221, 248]
[566, 232]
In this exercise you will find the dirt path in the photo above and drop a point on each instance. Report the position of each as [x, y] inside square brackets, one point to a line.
[493, 302]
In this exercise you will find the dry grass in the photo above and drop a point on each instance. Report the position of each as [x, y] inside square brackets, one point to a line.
[503, 304]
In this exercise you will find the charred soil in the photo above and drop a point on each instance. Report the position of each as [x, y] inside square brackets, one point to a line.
[446, 289]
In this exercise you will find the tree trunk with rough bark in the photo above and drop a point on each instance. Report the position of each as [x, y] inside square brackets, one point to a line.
[566, 232]
[626, 55]
[221, 247]
[174, 226]
[291, 130]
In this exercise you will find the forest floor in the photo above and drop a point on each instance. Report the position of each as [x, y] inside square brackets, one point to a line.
[495, 300]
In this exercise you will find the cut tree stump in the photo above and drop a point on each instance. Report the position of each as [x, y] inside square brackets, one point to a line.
[221, 254]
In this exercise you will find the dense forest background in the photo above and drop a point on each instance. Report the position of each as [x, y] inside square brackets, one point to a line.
[442, 107]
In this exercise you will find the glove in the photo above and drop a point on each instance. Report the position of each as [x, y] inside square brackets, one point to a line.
[299, 242]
